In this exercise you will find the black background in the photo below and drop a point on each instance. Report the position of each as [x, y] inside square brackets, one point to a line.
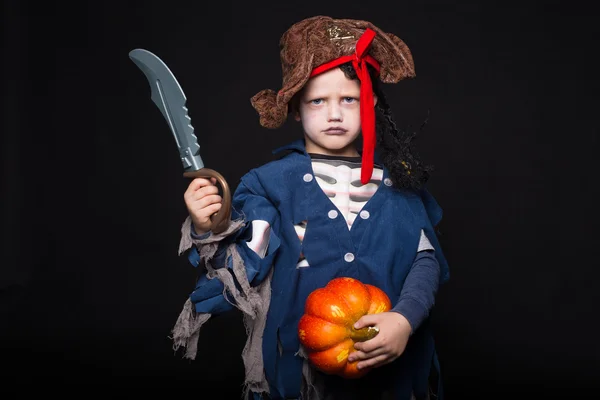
[92, 186]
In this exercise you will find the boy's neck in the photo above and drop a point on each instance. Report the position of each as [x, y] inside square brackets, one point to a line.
[321, 156]
[348, 151]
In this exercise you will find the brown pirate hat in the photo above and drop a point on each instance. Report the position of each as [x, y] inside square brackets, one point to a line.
[317, 44]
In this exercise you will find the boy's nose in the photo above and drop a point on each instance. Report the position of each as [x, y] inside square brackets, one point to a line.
[334, 113]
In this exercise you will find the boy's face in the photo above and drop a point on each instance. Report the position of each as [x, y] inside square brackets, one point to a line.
[329, 110]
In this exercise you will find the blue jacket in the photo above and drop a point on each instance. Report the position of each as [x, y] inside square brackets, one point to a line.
[378, 250]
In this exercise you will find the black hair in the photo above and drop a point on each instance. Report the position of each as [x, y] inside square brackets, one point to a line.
[395, 147]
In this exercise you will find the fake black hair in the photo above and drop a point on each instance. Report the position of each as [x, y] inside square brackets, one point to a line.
[394, 146]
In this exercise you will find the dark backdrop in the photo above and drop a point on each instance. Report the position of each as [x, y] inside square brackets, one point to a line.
[92, 186]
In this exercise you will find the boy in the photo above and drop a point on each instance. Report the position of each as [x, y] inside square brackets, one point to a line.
[324, 210]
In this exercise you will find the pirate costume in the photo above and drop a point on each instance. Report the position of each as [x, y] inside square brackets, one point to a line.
[304, 219]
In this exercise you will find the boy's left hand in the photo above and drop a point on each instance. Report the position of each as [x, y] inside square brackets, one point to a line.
[389, 344]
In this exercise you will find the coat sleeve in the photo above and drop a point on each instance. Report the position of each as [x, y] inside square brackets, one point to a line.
[434, 214]
[256, 242]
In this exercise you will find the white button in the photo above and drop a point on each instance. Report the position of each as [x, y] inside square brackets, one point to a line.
[349, 257]
[332, 214]
[364, 214]
[387, 181]
[308, 177]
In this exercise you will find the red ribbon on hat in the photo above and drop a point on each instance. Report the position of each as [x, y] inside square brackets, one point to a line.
[367, 107]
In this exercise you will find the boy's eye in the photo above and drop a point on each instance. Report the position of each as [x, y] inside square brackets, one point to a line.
[349, 99]
[316, 101]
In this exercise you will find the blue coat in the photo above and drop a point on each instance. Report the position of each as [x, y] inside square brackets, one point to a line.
[378, 250]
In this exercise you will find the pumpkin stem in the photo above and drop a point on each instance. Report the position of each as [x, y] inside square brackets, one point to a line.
[364, 334]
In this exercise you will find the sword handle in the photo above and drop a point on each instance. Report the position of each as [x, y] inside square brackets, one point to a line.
[220, 220]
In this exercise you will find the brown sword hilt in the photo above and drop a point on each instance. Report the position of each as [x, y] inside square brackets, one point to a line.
[220, 219]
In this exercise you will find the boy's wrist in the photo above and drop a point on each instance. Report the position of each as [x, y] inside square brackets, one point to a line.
[198, 233]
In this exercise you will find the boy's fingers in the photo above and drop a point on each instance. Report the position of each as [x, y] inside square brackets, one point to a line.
[205, 192]
[208, 211]
[194, 186]
[208, 201]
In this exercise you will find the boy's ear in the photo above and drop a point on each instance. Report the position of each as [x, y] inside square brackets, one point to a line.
[297, 115]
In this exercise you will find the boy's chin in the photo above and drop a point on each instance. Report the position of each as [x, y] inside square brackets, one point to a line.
[338, 143]
[333, 145]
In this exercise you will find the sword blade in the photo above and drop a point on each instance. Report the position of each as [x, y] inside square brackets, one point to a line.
[168, 96]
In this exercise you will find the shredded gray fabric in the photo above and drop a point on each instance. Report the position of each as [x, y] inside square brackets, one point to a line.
[255, 380]
[252, 301]
[310, 389]
[187, 330]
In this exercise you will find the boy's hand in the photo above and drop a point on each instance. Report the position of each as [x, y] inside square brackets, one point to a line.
[202, 200]
[389, 344]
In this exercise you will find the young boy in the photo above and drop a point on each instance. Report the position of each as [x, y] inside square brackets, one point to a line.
[325, 209]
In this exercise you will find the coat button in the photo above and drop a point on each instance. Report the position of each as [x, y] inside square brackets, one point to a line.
[364, 214]
[349, 257]
[307, 177]
[332, 214]
[387, 182]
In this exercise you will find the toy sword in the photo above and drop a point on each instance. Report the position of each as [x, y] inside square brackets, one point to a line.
[171, 101]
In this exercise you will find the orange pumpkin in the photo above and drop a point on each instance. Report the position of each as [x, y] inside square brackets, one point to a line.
[326, 329]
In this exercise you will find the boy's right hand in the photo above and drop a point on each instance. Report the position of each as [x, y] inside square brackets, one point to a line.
[202, 200]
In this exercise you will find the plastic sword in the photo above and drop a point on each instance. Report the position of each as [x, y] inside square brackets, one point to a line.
[171, 101]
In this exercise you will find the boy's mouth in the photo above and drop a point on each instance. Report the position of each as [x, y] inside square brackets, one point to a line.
[337, 130]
